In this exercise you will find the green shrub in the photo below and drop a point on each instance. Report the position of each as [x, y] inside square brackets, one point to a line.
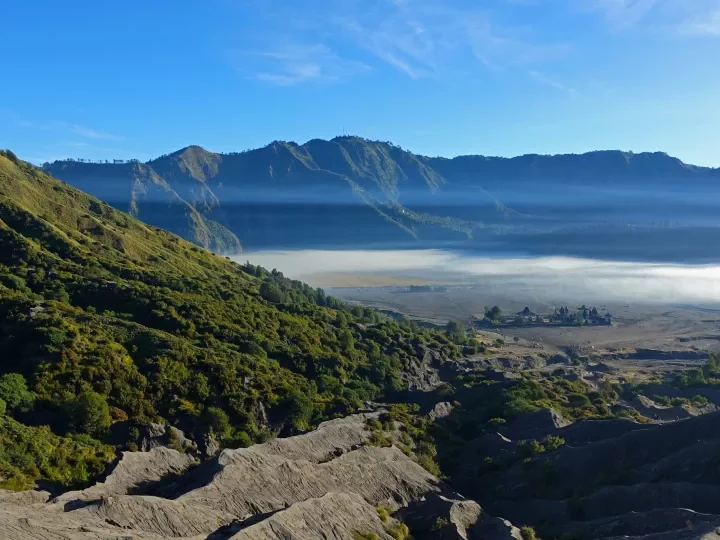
[240, 440]
[429, 464]
[552, 442]
[14, 392]
[218, 422]
[298, 408]
[661, 400]
[536, 447]
[456, 332]
[28, 454]
[399, 531]
[14, 282]
[91, 414]
[518, 406]
[378, 438]
[445, 391]
[11, 156]
[383, 513]
[578, 401]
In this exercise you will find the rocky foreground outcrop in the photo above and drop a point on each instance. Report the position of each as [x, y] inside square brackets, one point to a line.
[611, 478]
[326, 484]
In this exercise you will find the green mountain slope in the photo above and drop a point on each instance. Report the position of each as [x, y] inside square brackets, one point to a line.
[163, 199]
[110, 321]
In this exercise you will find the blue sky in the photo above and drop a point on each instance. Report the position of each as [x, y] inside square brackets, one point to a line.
[138, 78]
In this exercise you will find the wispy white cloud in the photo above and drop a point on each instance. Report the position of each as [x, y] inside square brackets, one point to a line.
[546, 80]
[290, 65]
[92, 133]
[60, 140]
[424, 38]
[703, 26]
[670, 17]
[417, 38]
[506, 48]
[66, 127]
[394, 42]
[625, 13]
[292, 74]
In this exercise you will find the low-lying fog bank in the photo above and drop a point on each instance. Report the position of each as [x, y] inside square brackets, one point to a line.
[547, 278]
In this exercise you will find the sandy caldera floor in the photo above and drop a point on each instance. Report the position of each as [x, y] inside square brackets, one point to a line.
[648, 324]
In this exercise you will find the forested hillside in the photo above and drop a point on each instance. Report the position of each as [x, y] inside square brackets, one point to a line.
[106, 321]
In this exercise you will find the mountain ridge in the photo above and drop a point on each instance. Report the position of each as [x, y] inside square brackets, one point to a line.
[194, 149]
[382, 192]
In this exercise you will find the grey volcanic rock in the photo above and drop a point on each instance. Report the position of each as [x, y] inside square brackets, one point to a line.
[589, 431]
[559, 359]
[321, 485]
[261, 418]
[495, 529]
[155, 435]
[133, 472]
[500, 375]
[612, 478]
[701, 532]
[602, 367]
[648, 408]
[615, 504]
[334, 516]
[253, 483]
[534, 425]
[538, 425]
[641, 523]
[422, 374]
[37, 522]
[165, 518]
[210, 447]
[441, 410]
[439, 516]
[679, 451]
[615, 500]
[489, 445]
[23, 498]
[316, 446]
[653, 354]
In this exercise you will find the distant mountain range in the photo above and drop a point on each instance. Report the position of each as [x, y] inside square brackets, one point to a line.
[350, 190]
